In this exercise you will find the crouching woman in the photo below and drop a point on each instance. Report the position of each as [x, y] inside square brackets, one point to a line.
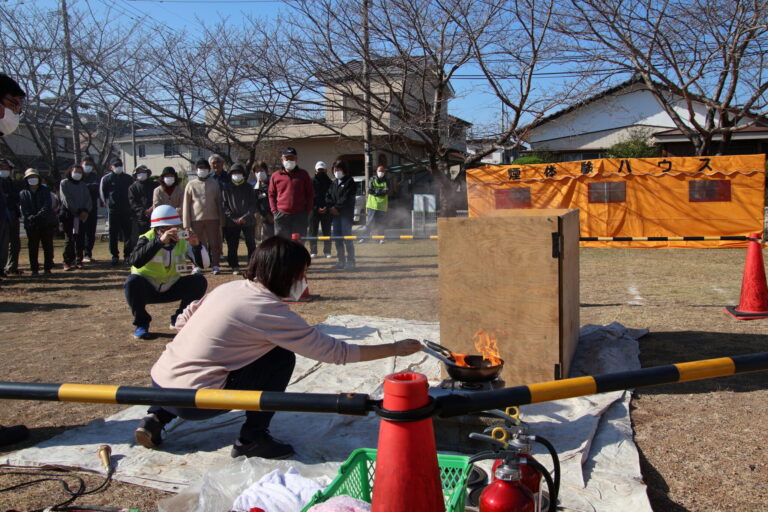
[243, 336]
[159, 255]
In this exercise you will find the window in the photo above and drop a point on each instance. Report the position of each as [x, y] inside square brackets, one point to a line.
[170, 149]
[702, 191]
[142, 150]
[608, 192]
[64, 144]
[509, 198]
[353, 105]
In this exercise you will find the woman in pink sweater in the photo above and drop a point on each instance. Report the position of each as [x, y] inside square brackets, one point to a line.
[243, 336]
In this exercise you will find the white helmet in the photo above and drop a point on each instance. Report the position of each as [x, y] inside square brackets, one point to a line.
[165, 215]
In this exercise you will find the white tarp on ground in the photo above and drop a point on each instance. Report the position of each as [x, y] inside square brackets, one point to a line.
[593, 435]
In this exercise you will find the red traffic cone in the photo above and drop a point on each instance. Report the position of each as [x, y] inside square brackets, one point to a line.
[753, 302]
[305, 296]
[407, 475]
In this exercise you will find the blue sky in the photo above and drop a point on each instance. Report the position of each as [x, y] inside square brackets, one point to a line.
[470, 103]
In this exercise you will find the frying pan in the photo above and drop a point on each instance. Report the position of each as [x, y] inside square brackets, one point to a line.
[479, 370]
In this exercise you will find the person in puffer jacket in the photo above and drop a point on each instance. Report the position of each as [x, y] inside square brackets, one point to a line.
[240, 207]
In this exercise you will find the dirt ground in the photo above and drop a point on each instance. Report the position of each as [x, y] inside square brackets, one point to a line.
[700, 442]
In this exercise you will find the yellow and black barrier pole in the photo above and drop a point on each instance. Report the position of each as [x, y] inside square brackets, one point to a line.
[731, 238]
[454, 404]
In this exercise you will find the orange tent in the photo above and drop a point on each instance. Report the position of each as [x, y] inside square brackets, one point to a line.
[636, 197]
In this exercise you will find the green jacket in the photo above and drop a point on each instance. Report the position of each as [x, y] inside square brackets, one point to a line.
[155, 270]
[378, 194]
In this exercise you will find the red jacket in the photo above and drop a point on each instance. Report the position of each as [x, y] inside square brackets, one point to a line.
[290, 193]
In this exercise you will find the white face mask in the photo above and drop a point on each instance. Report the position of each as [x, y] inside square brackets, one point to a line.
[5, 174]
[88, 169]
[141, 176]
[202, 173]
[77, 176]
[33, 181]
[237, 178]
[118, 170]
[289, 164]
[297, 290]
[338, 174]
[380, 174]
[169, 180]
[262, 176]
[9, 122]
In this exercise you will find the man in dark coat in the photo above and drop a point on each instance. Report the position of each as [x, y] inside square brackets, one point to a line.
[114, 195]
[240, 207]
[140, 195]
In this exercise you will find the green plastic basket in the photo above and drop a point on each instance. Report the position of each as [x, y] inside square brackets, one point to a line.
[356, 474]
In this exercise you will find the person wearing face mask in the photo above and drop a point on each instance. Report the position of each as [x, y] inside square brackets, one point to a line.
[114, 195]
[265, 223]
[140, 195]
[243, 336]
[10, 243]
[75, 205]
[240, 210]
[320, 215]
[160, 254]
[341, 203]
[40, 221]
[203, 211]
[170, 191]
[377, 203]
[290, 196]
[91, 179]
[11, 102]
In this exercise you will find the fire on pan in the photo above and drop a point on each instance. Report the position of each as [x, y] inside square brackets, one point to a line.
[470, 368]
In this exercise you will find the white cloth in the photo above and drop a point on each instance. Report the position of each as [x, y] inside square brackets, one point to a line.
[341, 504]
[278, 492]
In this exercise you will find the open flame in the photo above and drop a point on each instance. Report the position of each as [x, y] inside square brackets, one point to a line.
[485, 343]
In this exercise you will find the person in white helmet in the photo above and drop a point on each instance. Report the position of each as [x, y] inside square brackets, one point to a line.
[159, 255]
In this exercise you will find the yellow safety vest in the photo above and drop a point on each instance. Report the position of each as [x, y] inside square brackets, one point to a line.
[155, 270]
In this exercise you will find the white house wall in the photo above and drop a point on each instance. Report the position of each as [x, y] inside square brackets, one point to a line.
[155, 158]
[603, 122]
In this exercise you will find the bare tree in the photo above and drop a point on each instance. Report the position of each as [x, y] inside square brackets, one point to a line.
[704, 60]
[416, 48]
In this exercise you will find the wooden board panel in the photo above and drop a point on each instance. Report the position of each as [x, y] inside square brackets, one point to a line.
[498, 273]
[569, 289]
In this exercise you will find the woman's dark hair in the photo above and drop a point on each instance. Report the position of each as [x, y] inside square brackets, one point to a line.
[276, 263]
[72, 168]
[260, 165]
[9, 86]
[339, 164]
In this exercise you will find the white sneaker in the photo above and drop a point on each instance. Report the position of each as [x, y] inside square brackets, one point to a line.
[381, 241]
[328, 256]
[196, 270]
[313, 255]
[215, 271]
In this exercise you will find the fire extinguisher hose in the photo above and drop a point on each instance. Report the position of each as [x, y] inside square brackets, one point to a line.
[555, 463]
[550, 484]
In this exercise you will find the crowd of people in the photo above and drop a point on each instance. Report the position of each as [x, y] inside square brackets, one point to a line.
[219, 205]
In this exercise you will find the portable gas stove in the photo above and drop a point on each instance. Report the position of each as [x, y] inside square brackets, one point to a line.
[452, 434]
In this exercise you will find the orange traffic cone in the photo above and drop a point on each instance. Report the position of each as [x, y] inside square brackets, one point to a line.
[305, 296]
[753, 302]
[407, 475]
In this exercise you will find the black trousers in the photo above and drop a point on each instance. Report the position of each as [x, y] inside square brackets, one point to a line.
[89, 233]
[74, 243]
[323, 220]
[138, 228]
[270, 372]
[286, 224]
[120, 228]
[139, 292]
[232, 235]
[35, 237]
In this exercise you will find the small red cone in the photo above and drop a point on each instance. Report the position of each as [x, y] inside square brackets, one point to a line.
[753, 303]
[306, 296]
[407, 475]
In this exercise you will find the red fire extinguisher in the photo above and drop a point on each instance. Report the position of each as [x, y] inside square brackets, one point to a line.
[507, 493]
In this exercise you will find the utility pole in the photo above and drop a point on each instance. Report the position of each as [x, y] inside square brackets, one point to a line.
[71, 84]
[367, 96]
[133, 138]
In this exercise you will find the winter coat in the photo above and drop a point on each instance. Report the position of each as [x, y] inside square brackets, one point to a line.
[75, 197]
[10, 191]
[92, 180]
[202, 201]
[140, 196]
[37, 208]
[175, 198]
[321, 183]
[290, 192]
[239, 200]
[114, 192]
[341, 195]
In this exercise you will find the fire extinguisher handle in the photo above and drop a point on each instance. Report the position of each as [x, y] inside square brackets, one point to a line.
[501, 443]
